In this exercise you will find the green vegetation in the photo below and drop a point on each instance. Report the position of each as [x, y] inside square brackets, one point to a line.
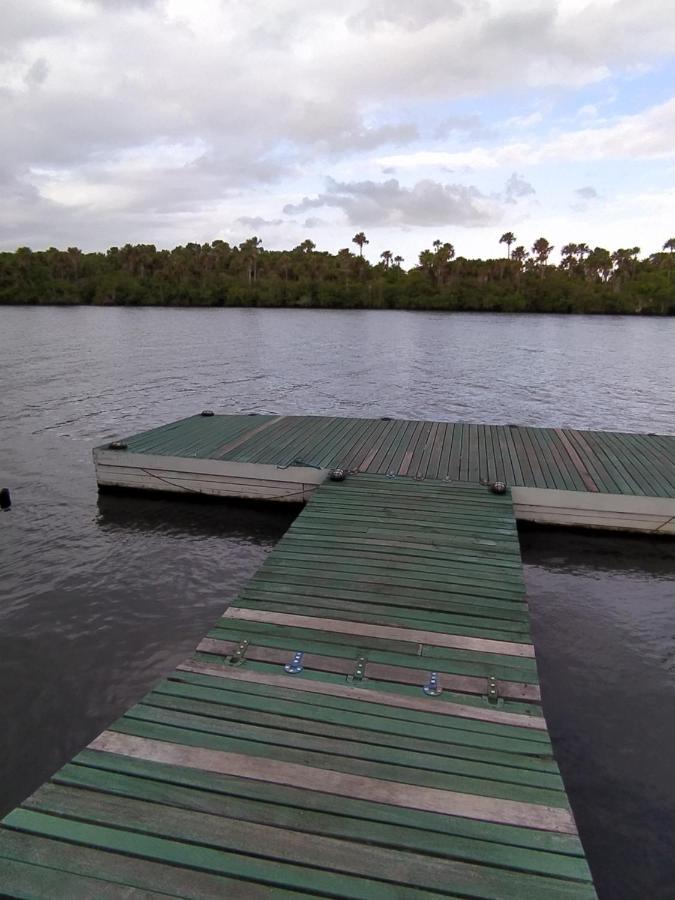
[216, 274]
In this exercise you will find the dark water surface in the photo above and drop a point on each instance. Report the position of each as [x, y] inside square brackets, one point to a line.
[100, 597]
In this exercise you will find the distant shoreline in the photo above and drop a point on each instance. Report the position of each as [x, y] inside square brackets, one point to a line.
[417, 309]
[298, 307]
[587, 282]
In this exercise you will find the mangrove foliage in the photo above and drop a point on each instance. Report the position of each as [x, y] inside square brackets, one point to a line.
[584, 280]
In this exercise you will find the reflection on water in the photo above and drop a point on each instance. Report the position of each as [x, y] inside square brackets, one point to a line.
[603, 619]
[102, 596]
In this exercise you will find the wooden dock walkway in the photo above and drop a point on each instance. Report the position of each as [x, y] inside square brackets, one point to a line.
[297, 753]
[559, 476]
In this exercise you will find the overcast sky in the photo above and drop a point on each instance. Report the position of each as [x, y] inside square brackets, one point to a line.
[168, 121]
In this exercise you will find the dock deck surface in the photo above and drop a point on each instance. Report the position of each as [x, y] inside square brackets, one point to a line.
[234, 778]
[559, 476]
[552, 458]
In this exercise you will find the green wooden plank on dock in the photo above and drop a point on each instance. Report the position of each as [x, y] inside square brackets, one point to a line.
[547, 458]
[363, 722]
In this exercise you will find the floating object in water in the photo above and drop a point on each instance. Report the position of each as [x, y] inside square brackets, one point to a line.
[498, 487]
[206, 412]
[5, 499]
[117, 445]
[337, 474]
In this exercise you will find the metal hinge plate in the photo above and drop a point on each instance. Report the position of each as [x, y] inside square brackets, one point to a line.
[237, 657]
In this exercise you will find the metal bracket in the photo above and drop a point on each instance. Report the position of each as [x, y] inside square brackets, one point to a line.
[492, 690]
[237, 657]
[432, 688]
[295, 666]
[360, 671]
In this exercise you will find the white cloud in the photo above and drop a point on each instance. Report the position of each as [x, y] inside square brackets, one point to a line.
[151, 118]
[646, 135]
[425, 203]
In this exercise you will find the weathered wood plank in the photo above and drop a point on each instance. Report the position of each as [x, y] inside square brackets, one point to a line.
[346, 779]
[414, 675]
[34, 866]
[529, 815]
[323, 821]
[401, 702]
[510, 836]
[320, 853]
[358, 629]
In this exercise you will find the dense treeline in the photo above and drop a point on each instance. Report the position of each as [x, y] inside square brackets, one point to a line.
[217, 274]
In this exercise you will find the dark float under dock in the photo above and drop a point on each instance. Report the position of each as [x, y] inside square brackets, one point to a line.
[365, 719]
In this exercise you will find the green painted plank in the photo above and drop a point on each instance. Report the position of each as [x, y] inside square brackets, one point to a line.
[465, 452]
[475, 732]
[350, 827]
[25, 880]
[479, 612]
[435, 555]
[429, 575]
[592, 464]
[200, 731]
[479, 604]
[510, 836]
[330, 858]
[358, 741]
[42, 868]
[428, 568]
[374, 582]
[176, 852]
[371, 682]
[293, 544]
[655, 476]
[511, 669]
[536, 740]
[411, 599]
[386, 614]
[302, 713]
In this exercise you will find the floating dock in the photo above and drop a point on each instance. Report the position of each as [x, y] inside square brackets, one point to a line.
[364, 721]
[558, 476]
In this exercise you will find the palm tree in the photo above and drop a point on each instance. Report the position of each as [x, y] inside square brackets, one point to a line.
[670, 245]
[444, 253]
[397, 261]
[386, 257]
[360, 239]
[508, 238]
[249, 250]
[427, 261]
[599, 264]
[520, 254]
[568, 254]
[624, 261]
[447, 251]
[542, 250]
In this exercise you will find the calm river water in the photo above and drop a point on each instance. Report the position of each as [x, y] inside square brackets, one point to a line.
[102, 596]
